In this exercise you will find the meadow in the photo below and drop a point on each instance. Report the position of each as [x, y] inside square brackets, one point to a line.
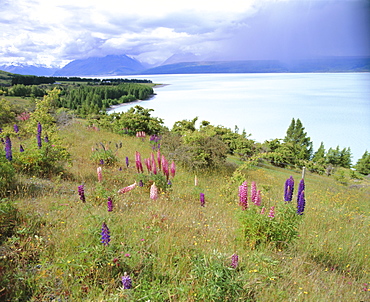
[173, 248]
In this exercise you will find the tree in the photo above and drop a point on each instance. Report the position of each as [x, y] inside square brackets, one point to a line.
[319, 156]
[363, 164]
[298, 143]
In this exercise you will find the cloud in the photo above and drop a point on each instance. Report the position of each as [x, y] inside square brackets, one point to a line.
[55, 32]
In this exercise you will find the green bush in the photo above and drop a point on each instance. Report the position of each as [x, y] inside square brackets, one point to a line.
[260, 230]
[7, 174]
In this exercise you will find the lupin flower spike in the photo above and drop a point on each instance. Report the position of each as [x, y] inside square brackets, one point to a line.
[105, 234]
[126, 281]
[100, 174]
[301, 204]
[173, 169]
[81, 192]
[289, 188]
[8, 149]
[234, 260]
[110, 204]
[243, 195]
[272, 212]
[202, 199]
[153, 191]
[128, 188]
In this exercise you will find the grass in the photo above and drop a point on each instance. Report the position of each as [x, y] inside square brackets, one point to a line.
[172, 248]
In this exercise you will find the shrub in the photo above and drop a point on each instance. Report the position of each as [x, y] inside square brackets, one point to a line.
[258, 228]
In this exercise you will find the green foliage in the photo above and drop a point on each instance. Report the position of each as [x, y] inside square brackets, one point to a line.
[195, 150]
[103, 152]
[7, 174]
[44, 161]
[7, 112]
[260, 230]
[339, 158]
[23, 90]
[134, 120]
[363, 164]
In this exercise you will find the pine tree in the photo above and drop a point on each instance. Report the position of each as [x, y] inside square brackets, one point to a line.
[363, 164]
[319, 156]
[298, 141]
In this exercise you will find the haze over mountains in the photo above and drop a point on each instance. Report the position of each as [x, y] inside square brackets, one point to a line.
[117, 65]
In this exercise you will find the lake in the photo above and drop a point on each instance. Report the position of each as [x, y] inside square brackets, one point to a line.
[334, 108]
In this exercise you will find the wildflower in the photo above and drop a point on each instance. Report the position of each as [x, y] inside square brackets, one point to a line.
[16, 129]
[289, 188]
[110, 204]
[128, 188]
[46, 139]
[100, 174]
[301, 203]
[148, 164]
[39, 129]
[258, 198]
[81, 192]
[202, 200]
[139, 165]
[8, 148]
[159, 160]
[165, 167]
[301, 187]
[21, 149]
[173, 169]
[272, 212]
[141, 184]
[234, 260]
[243, 195]
[102, 161]
[263, 211]
[105, 234]
[153, 191]
[126, 281]
[254, 192]
[127, 163]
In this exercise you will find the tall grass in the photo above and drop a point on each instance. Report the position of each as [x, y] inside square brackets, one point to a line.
[173, 248]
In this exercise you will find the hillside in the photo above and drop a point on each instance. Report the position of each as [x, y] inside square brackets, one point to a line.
[80, 233]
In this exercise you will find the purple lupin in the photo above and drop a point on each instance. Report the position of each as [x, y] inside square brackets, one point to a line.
[39, 130]
[202, 199]
[8, 148]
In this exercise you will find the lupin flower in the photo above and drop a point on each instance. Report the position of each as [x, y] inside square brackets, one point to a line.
[127, 162]
[102, 161]
[234, 260]
[289, 188]
[141, 184]
[39, 129]
[126, 281]
[138, 163]
[110, 204]
[105, 234]
[154, 165]
[153, 191]
[202, 199]
[301, 204]
[128, 188]
[81, 192]
[263, 211]
[16, 129]
[21, 149]
[272, 212]
[8, 148]
[173, 169]
[301, 188]
[159, 160]
[46, 139]
[258, 200]
[253, 192]
[243, 195]
[165, 167]
[148, 164]
[100, 174]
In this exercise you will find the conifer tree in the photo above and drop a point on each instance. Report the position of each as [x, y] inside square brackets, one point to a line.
[319, 156]
[363, 164]
[298, 141]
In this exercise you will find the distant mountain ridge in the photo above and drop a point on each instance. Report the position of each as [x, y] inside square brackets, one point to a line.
[116, 65]
[108, 65]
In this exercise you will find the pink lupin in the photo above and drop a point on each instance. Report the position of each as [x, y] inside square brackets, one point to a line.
[100, 174]
[153, 191]
[173, 169]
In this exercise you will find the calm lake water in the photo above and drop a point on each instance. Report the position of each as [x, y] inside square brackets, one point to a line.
[333, 107]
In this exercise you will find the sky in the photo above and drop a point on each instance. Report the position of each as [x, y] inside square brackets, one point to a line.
[55, 32]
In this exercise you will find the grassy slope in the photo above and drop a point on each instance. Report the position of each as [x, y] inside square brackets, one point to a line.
[177, 248]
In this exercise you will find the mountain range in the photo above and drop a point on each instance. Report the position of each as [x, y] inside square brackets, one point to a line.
[116, 65]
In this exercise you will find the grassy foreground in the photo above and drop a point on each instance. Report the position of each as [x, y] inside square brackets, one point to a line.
[172, 248]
